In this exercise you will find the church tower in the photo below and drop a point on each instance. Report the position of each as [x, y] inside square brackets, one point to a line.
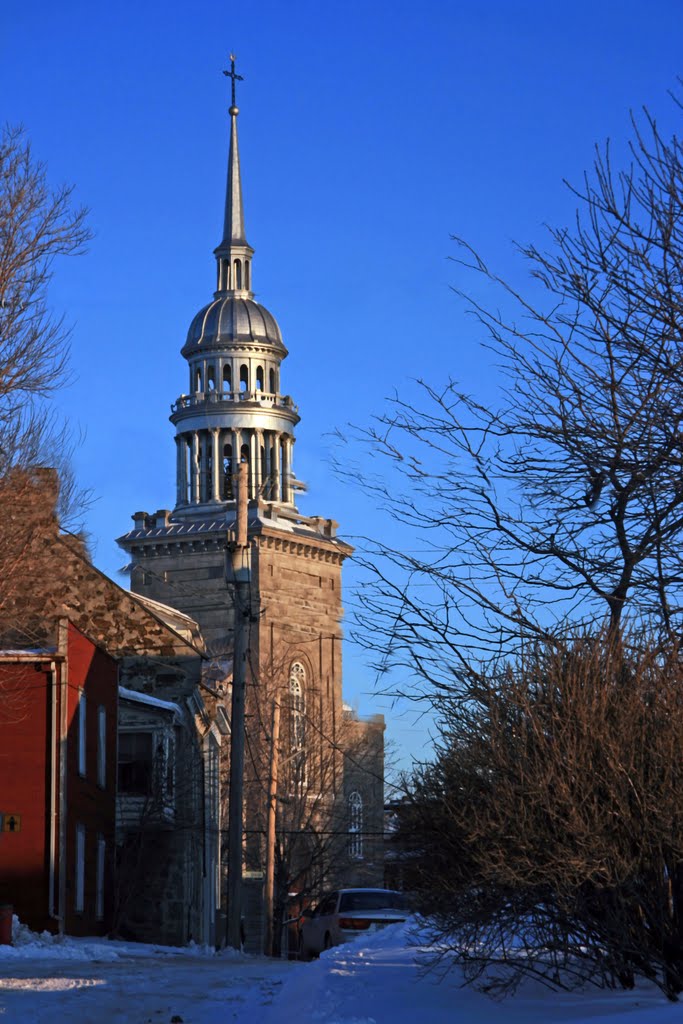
[235, 412]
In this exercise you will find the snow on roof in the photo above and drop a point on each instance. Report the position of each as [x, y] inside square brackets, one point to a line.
[11, 654]
[164, 609]
[146, 698]
[284, 522]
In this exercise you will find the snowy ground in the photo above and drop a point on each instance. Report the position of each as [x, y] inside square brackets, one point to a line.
[378, 981]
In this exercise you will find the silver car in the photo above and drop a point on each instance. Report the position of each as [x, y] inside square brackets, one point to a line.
[347, 914]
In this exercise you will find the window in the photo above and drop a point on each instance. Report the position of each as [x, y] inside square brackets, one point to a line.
[136, 763]
[244, 377]
[102, 746]
[369, 899]
[271, 378]
[259, 378]
[80, 869]
[81, 732]
[355, 825]
[297, 680]
[227, 471]
[328, 905]
[227, 377]
[99, 897]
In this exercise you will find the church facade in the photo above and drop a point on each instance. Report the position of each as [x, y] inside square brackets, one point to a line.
[236, 412]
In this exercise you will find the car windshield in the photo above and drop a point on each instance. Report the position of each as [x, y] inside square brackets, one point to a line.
[351, 901]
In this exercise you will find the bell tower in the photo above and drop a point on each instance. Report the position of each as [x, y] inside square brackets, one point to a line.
[233, 411]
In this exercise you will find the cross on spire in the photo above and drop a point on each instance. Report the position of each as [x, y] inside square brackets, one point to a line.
[235, 78]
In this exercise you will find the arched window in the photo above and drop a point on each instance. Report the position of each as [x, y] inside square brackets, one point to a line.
[210, 378]
[259, 378]
[198, 379]
[298, 722]
[355, 825]
[227, 377]
[244, 377]
[238, 274]
[247, 274]
[271, 377]
[227, 472]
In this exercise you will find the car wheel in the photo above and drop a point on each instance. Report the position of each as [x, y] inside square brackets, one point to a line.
[328, 941]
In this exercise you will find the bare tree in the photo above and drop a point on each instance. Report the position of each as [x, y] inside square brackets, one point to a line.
[318, 751]
[37, 224]
[549, 828]
[564, 502]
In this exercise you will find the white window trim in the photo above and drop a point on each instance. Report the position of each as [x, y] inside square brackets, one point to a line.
[79, 896]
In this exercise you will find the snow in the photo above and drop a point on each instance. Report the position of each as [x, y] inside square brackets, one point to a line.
[146, 698]
[382, 979]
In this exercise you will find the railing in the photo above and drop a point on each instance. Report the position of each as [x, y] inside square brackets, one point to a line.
[213, 397]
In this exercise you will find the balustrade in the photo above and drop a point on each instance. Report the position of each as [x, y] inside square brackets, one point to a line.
[218, 397]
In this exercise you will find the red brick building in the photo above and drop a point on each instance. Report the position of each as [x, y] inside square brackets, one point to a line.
[58, 722]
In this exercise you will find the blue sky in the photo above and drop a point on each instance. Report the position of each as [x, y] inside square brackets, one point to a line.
[369, 133]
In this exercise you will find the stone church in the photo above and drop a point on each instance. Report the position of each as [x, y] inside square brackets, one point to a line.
[236, 410]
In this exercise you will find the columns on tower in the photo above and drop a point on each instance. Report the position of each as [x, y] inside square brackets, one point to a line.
[258, 464]
[216, 464]
[287, 490]
[270, 456]
[203, 465]
[181, 470]
[252, 464]
[285, 468]
[194, 469]
[276, 468]
[236, 436]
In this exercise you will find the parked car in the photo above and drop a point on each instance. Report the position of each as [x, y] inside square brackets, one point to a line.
[347, 914]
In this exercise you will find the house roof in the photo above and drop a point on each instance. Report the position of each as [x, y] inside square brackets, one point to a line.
[149, 701]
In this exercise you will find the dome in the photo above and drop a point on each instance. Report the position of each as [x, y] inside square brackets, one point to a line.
[231, 320]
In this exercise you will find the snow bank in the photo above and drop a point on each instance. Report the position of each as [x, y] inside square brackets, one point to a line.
[28, 945]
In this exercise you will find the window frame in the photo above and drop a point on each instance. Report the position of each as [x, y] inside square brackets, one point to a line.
[136, 789]
[79, 879]
[355, 830]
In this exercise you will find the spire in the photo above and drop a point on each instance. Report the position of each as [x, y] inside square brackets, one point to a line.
[233, 229]
[234, 252]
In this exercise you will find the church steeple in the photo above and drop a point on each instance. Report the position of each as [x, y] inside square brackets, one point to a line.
[234, 411]
[234, 252]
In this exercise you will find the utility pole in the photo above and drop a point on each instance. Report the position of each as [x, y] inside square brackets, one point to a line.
[240, 572]
[270, 834]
